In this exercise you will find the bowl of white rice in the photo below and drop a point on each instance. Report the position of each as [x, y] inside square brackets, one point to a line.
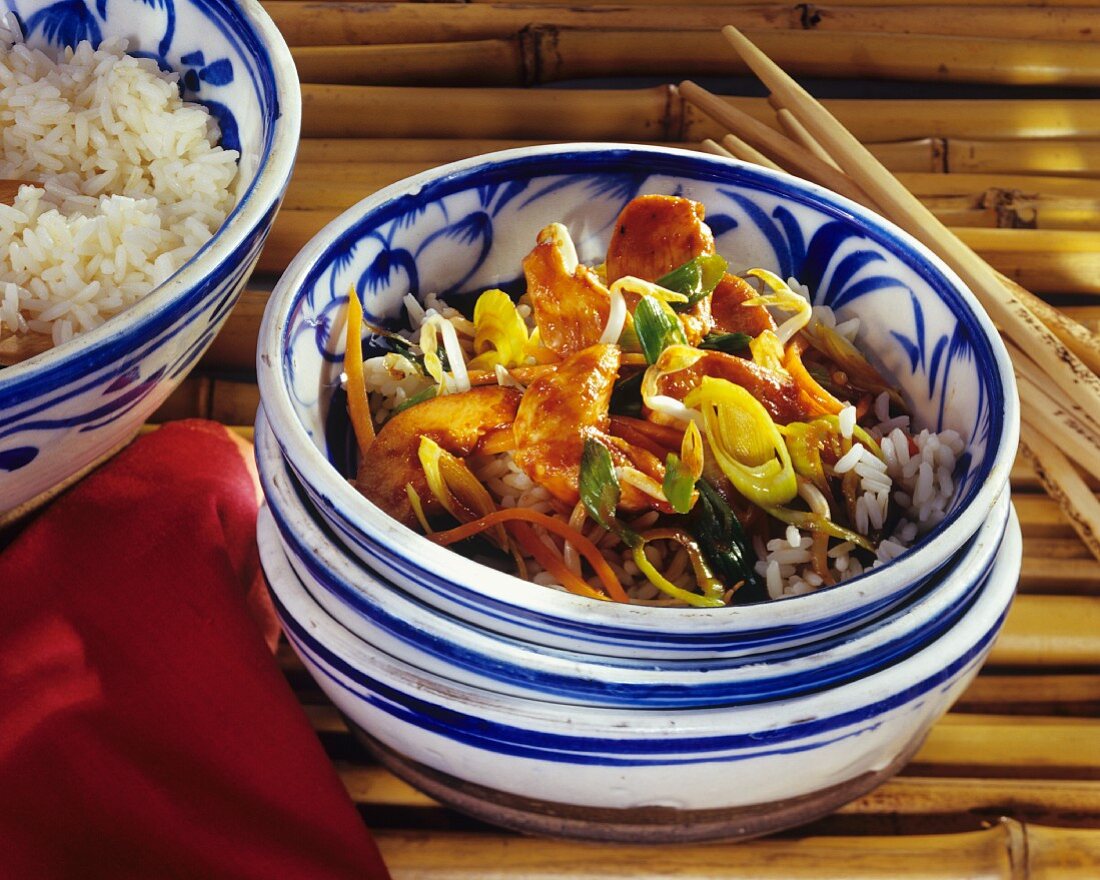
[415, 252]
[155, 142]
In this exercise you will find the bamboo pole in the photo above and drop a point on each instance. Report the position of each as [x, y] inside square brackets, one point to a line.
[334, 111]
[1037, 187]
[343, 23]
[923, 155]
[1050, 631]
[1051, 694]
[1006, 850]
[656, 114]
[1061, 480]
[875, 120]
[1076, 158]
[573, 54]
[546, 54]
[471, 63]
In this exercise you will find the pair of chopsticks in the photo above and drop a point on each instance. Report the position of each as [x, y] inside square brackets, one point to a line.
[1056, 360]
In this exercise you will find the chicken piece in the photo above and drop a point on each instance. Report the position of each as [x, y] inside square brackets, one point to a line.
[729, 312]
[570, 303]
[562, 410]
[457, 422]
[654, 235]
[776, 391]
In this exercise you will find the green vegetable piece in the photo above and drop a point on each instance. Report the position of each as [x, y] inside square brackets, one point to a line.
[730, 343]
[657, 327]
[678, 484]
[599, 486]
[695, 279]
[600, 490]
[723, 542]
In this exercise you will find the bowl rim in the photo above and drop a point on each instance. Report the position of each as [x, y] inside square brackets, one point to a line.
[457, 643]
[418, 551]
[859, 700]
[276, 161]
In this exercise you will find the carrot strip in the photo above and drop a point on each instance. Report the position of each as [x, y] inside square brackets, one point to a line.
[544, 556]
[809, 390]
[358, 405]
[585, 547]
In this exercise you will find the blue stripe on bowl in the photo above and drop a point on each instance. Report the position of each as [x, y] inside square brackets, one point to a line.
[604, 686]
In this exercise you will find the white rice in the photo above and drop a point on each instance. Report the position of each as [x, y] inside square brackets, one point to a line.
[133, 184]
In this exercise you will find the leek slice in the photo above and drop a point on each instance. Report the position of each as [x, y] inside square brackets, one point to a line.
[500, 333]
[745, 442]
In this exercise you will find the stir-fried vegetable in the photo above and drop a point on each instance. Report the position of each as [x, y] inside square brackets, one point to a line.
[358, 405]
[657, 327]
[745, 442]
[698, 418]
[696, 278]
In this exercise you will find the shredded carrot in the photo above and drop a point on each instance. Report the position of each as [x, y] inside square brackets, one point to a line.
[358, 405]
[808, 388]
[585, 547]
[527, 539]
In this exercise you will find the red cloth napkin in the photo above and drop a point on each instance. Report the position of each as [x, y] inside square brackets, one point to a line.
[145, 728]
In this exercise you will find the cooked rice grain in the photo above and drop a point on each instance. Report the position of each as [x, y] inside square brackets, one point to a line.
[133, 184]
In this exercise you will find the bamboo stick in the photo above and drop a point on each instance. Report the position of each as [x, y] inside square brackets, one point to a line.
[342, 23]
[1037, 187]
[591, 114]
[1063, 368]
[1076, 158]
[1045, 575]
[923, 155]
[1051, 694]
[797, 132]
[651, 114]
[545, 54]
[1076, 438]
[1050, 631]
[883, 120]
[472, 63]
[1060, 479]
[767, 140]
[737, 148]
[1007, 850]
[1040, 517]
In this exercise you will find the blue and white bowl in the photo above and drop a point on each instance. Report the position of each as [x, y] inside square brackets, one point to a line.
[66, 408]
[638, 774]
[395, 623]
[466, 226]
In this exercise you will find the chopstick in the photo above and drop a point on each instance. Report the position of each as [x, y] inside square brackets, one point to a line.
[1008, 312]
[818, 141]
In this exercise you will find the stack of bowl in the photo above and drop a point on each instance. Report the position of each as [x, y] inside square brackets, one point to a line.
[67, 408]
[556, 714]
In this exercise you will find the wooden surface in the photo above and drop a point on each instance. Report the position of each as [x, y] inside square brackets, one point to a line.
[1007, 784]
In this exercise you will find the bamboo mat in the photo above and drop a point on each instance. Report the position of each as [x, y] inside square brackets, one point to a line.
[1008, 783]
